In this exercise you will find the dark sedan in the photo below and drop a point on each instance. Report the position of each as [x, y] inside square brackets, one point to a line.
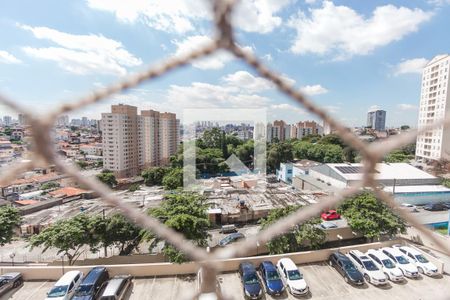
[435, 207]
[346, 268]
[249, 278]
[10, 281]
[271, 278]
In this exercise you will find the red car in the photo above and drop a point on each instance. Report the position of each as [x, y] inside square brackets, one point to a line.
[330, 215]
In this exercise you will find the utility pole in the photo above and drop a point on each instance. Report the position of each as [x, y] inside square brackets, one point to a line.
[105, 249]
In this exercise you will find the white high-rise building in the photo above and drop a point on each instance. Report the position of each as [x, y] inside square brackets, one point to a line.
[132, 142]
[434, 106]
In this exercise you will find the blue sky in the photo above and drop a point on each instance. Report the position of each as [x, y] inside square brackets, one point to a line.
[348, 56]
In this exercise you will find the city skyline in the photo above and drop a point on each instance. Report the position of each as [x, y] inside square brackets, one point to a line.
[57, 58]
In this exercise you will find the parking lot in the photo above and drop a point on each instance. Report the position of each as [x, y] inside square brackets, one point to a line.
[324, 283]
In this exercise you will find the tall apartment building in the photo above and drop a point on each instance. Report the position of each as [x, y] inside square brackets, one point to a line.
[434, 106]
[7, 120]
[132, 142]
[376, 119]
[302, 129]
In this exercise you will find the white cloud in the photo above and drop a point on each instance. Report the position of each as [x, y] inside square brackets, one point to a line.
[259, 15]
[414, 65]
[287, 108]
[82, 54]
[407, 107]
[247, 82]
[341, 32]
[332, 109]
[181, 16]
[312, 90]
[310, 1]
[8, 58]
[268, 57]
[374, 107]
[438, 2]
[216, 60]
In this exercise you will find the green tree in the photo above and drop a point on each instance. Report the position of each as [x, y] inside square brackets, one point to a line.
[332, 139]
[185, 213]
[212, 138]
[50, 185]
[398, 156]
[371, 217]
[154, 176]
[245, 152]
[108, 178]
[82, 164]
[305, 235]
[173, 179]
[446, 182]
[67, 236]
[278, 153]
[311, 138]
[9, 219]
[134, 187]
[404, 127]
[210, 160]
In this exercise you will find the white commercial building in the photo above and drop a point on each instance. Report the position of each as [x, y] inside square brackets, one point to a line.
[434, 106]
[376, 119]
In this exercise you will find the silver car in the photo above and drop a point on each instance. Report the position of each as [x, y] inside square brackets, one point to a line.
[10, 281]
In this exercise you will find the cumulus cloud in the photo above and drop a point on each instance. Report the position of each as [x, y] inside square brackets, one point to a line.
[246, 81]
[414, 66]
[8, 58]
[82, 54]
[342, 32]
[216, 60]
[181, 16]
[407, 107]
[312, 90]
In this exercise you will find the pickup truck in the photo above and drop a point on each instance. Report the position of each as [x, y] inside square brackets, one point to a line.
[10, 281]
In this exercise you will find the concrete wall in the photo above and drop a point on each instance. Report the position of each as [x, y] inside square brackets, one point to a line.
[164, 269]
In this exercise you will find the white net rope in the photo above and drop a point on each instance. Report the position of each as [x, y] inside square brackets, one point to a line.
[43, 153]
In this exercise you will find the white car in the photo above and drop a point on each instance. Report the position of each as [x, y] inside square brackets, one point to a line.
[291, 277]
[423, 265]
[367, 267]
[408, 269]
[384, 263]
[409, 207]
[65, 287]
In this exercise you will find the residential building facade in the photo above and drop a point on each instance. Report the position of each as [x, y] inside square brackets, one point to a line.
[132, 142]
[434, 106]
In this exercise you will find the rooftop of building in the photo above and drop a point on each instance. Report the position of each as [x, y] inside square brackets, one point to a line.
[67, 192]
[384, 171]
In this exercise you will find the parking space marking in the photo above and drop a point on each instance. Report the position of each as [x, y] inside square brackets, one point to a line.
[36, 290]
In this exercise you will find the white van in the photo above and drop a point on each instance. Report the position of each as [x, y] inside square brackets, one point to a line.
[65, 287]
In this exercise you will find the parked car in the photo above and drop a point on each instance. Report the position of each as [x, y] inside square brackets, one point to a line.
[328, 225]
[250, 282]
[230, 228]
[116, 288]
[271, 278]
[409, 207]
[447, 204]
[291, 276]
[231, 238]
[346, 268]
[435, 207]
[424, 266]
[330, 215]
[92, 284]
[384, 263]
[65, 287]
[408, 269]
[372, 274]
[10, 281]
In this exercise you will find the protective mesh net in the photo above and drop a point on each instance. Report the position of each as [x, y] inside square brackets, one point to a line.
[43, 153]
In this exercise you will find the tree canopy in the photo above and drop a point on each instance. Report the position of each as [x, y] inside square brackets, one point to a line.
[70, 236]
[186, 213]
[173, 179]
[305, 235]
[154, 176]
[371, 217]
[108, 178]
[9, 219]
